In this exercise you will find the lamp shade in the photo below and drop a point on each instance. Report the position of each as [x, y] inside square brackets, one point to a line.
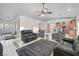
[35, 30]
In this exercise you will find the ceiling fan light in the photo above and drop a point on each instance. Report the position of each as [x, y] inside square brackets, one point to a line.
[45, 10]
[43, 15]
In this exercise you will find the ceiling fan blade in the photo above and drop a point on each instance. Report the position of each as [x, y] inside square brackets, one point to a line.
[49, 12]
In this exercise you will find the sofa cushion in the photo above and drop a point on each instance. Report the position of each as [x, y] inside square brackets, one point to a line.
[28, 35]
[1, 50]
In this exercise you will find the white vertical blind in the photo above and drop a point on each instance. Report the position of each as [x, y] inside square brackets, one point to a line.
[7, 26]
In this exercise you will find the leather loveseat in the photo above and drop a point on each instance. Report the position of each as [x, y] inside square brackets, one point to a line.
[28, 35]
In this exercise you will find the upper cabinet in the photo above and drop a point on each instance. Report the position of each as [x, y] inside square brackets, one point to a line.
[69, 27]
[71, 24]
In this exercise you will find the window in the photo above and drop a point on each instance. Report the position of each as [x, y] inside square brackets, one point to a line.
[7, 26]
[1, 25]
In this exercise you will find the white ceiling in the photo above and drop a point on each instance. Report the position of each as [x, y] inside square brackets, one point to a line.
[10, 10]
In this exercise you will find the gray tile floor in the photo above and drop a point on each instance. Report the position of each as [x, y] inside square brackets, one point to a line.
[10, 46]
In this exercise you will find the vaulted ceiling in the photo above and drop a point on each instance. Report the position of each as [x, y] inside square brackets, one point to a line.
[60, 10]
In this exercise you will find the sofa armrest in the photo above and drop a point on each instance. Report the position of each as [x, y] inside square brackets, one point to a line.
[60, 51]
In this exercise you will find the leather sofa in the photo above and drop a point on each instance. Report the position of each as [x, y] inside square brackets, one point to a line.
[60, 51]
[67, 49]
[1, 50]
[28, 35]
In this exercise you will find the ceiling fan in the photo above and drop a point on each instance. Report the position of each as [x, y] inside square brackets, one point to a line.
[44, 11]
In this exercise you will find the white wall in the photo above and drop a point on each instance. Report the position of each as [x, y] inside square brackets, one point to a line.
[77, 25]
[28, 23]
